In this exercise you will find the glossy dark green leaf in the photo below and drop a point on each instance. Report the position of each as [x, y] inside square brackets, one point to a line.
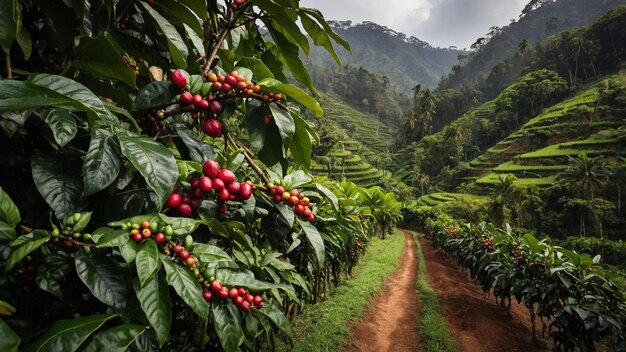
[129, 251]
[58, 179]
[18, 254]
[287, 212]
[328, 194]
[100, 58]
[315, 240]
[177, 47]
[186, 286]
[155, 303]
[199, 151]
[277, 318]
[103, 276]
[53, 270]
[8, 210]
[259, 69]
[78, 94]
[7, 233]
[10, 23]
[19, 95]
[113, 238]
[290, 54]
[228, 325]
[68, 335]
[238, 279]
[147, 261]
[257, 128]
[62, 124]
[25, 42]
[102, 162]
[182, 13]
[9, 341]
[155, 162]
[283, 20]
[301, 144]
[297, 179]
[317, 15]
[181, 226]
[199, 7]
[294, 93]
[154, 94]
[319, 36]
[115, 339]
[207, 253]
[285, 124]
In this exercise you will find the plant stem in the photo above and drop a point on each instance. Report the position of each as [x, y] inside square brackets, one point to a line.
[9, 71]
[249, 160]
[230, 24]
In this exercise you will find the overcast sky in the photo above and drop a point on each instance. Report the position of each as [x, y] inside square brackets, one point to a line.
[439, 22]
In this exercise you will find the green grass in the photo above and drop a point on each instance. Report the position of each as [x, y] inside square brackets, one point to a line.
[493, 179]
[556, 150]
[510, 166]
[586, 98]
[433, 199]
[432, 325]
[324, 326]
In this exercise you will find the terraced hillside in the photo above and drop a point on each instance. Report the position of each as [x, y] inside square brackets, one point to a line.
[539, 150]
[437, 198]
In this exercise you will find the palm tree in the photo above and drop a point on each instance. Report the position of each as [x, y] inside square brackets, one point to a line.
[524, 46]
[427, 108]
[585, 174]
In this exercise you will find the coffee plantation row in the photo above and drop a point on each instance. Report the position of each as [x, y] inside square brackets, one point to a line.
[576, 307]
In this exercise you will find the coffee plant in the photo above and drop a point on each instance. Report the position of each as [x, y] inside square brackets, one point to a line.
[576, 307]
[154, 193]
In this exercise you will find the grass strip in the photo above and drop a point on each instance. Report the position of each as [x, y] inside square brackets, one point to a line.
[325, 326]
[432, 325]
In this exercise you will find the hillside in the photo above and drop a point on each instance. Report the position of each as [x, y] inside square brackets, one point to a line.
[406, 61]
[537, 22]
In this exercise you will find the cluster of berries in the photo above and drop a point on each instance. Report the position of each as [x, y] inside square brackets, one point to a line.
[297, 200]
[220, 182]
[153, 122]
[488, 242]
[184, 255]
[68, 235]
[146, 230]
[241, 298]
[238, 4]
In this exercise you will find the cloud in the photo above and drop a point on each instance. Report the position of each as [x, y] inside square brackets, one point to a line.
[439, 22]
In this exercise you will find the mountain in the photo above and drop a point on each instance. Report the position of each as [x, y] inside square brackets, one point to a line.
[539, 20]
[406, 61]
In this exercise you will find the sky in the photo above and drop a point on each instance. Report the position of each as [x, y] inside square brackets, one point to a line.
[441, 23]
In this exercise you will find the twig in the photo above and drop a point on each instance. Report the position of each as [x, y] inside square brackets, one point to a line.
[9, 71]
[249, 160]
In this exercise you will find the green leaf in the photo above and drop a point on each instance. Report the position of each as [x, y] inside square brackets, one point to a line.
[301, 144]
[186, 286]
[287, 212]
[294, 93]
[129, 251]
[319, 36]
[329, 195]
[9, 341]
[7, 233]
[21, 252]
[238, 279]
[320, 19]
[116, 339]
[315, 239]
[85, 218]
[257, 128]
[259, 69]
[177, 47]
[155, 162]
[181, 226]
[8, 210]
[285, 124]
[283, 20]
[290, 55]
[54, 269]
[277, 318]
[68, 335]
[182, 13]
[147, 261]
[154, 94]
[10, 23]
[102, 162]
[57, 177]
[199, 151]
[25, 42]
[297, 179]
[103, 277]
[155, 303]
[100, 58]
[62, 124]
[228, 326]
[111, 238]
[207, 253]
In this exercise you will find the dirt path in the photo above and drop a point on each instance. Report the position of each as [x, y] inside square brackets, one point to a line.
[390, 324]
[472, 317]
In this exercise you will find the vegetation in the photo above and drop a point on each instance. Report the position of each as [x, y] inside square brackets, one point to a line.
[324, 326]
[432, 326]
[153, 191]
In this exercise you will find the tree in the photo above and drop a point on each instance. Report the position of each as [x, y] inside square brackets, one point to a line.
[524, 46]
